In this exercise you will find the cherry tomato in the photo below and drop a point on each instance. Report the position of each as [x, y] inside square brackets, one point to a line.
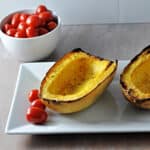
[7, 26]
[40, 8]
[31, 32]
[33, 20]
[20, 34]
[38, 103]
[33, 95]
[42, 22]
[52, 25]
[15, 20]
[46, 16]
[36, 115]
[22, 26]
[23, 17]
[11, 31]
[42, 31]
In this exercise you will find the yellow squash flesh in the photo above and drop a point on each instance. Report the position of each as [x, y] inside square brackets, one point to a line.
[135, 80]
[74, 81]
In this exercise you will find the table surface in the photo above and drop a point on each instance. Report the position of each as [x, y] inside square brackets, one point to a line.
[113, 41]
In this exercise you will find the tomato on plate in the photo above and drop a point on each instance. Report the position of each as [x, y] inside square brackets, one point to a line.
[33, 20]
[15, 19]
[36, 115]
[40, 8]
[33, 95]
[38, 103]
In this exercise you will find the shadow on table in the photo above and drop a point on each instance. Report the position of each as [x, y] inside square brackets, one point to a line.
[88, 141]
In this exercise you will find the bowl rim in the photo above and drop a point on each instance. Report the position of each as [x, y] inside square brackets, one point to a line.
[28, 38]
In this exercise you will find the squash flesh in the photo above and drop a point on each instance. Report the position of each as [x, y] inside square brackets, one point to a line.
[78, 76]
[141, 77]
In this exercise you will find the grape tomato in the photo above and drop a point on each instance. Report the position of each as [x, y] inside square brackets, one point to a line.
[7, 26]
[31, 32]
[42, 31]
[11, 31]
[22, 26]
[46, 16]
[20, 34]
[40, 8]
[15, 20]
[33, 95]
[33, 20]
[52, 25]
[38, 103]
[36, 115]
[23, 17]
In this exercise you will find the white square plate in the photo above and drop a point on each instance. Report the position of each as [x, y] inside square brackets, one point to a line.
[111, 113]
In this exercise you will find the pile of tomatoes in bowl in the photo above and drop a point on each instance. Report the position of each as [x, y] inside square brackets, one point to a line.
[28, 25]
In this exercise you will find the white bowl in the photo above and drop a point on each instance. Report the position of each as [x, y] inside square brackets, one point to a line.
[30, 49]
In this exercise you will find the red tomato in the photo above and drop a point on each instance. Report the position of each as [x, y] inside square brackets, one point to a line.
[42, 22]
[20, 34]
[36, 115]
[38, 103]
[11, 31]
[33, 95]
[23, 17]
[22, 26]
[15, 20]
[42, 31]
[52, 25]
[33, 20]
[40, 8]
[31, 32]
[46, 16]
[7, 26]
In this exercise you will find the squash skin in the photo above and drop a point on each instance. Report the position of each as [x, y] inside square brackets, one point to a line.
[81, 103]
[128, 92]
